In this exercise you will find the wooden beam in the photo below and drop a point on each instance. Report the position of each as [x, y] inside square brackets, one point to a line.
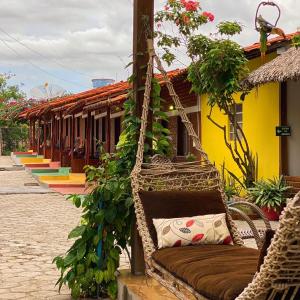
[39, 136]
[88, 139]
[143, 12]
[143, 15]
[53, 135]
[61, 139]
[283, 142]
[72, 137]
[45, 138]
[30, 133]
[33, 135]
[108, 130]
[93, 136]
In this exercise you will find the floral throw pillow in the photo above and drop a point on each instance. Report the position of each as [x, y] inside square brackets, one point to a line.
[207, 229]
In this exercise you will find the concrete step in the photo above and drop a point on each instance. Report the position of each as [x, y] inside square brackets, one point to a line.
[37, 165]
[34, 160]
[63, 185]
[70, 180]
[23, 152]
[38, 170]
[55, 164]
[70, 190]
[51, 172]
[26, 155]
[51, 177]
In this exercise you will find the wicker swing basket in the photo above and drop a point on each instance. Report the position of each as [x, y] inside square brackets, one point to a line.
[278, 277]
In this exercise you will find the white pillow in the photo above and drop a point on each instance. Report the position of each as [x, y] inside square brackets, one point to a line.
[207, 229]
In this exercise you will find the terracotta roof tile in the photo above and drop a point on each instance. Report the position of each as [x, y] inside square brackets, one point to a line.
[272, 41]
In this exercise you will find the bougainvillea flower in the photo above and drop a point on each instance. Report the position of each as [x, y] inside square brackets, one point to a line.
[209, 16]
[191, 5]
[167, 7]
[186, 19]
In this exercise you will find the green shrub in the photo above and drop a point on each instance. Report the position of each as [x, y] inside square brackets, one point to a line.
[269, 193]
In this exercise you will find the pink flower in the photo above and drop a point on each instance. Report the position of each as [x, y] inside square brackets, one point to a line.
[186, 19]
[167, 7]
[209, 16]
[158, 25]
[190, 5]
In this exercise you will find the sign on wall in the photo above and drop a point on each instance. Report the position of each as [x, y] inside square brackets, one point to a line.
[283, 131]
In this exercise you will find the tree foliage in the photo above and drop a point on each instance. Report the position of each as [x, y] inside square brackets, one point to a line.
[14, 134]
[217, 68]
[12, 101]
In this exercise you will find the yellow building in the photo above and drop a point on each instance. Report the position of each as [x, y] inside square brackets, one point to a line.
[259, 115]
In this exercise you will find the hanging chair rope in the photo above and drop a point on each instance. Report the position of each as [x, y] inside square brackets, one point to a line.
[263, 4]
[184, 118]
[145, 111]
[197, 176]
[146, 103]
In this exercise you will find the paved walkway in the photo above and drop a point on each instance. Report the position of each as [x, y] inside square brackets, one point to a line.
[35, 223]
[34, 229]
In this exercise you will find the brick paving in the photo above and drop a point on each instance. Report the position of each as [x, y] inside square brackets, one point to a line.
[34, 229]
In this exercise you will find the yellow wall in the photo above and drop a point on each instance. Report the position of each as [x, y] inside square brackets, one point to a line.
[261, 111]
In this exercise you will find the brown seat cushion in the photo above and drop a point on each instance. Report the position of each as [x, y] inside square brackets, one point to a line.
[177, 204]
[217, 272]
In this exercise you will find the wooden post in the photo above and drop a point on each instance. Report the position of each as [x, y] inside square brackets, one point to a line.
[53, 134]
[61, 139]
[39, 136]
[30, 134]
[88, 139]
[45, 137]
[93, 136]
[72, 134]
[108, 129]
[33, 134]
[143, 11]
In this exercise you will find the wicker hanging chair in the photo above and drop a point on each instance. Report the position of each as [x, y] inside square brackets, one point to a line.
[279, 276]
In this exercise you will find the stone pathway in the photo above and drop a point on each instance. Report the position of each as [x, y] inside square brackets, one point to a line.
[35, 223]
[34, 229]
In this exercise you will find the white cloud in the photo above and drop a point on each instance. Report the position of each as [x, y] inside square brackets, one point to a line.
[94, 37]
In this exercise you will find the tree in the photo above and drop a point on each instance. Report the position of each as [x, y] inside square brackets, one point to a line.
[217, 68]
[13, 132]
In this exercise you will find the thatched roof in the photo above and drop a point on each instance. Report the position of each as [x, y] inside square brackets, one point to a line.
[284, 67]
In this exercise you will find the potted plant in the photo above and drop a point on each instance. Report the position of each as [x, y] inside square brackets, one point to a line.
[270, 196]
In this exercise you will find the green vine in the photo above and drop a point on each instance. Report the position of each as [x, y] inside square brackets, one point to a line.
[90, 266]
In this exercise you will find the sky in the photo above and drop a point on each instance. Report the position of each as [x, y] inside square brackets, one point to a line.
[70, 42]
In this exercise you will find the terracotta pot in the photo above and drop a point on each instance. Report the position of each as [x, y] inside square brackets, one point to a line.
[271, 214]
